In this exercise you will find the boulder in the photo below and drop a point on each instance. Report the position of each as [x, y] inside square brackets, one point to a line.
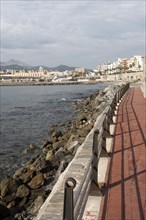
[22, 191]
[4, 212]
[71, 139]
[50, 155]
[83, 132]
[68, 159]
[2, 201]
[56, 134]
[66, 135]
[11, 204]
[60, 170]
[32, 146]
[32, 160]
[22, 216]
[58, 144]
[8, 186]
[39, 164]
[34, 208]
[23, 202]
[25, 151]
[28, 149]
[36, 181]
[60, 154]
[38, 192]
[46, 143]
[62, 166]
[72, 145]
[24, 174]
[109, 95]
[10, 198]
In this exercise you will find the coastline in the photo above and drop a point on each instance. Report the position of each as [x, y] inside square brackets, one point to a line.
[27, 189]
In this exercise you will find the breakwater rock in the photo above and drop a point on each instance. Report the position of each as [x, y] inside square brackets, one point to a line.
[22, 194]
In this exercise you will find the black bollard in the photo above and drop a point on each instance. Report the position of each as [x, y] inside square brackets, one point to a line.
[68, 213]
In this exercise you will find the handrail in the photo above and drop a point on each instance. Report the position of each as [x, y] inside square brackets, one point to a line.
[74, 205]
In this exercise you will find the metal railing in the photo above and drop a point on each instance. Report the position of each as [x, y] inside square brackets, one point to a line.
[74, 203]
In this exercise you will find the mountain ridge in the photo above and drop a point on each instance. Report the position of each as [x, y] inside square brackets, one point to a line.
[13, 64]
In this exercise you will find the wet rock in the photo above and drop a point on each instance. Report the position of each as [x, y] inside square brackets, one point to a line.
[9, 198]
[25, 174]
[11, 204]
[50, 155]
[38, 192]
[19, 172]
[4, 212]
[71, 139]
[14, 208]
[58, 144]
[108, 89]
[46, 143]
[23, 202]
[25, 151]
[28, 149]
[68, 159]
[8, 186]
[19, 216]
[60, 170]
[34, 208]
[72, 145]
[32, 146]
[2, 201]
[40, 164]
[56, 134]
[22, 216]
[22, 191]
[81, 140]
[66, 135]
[109, 96]
[48, 188]
[36, 181]
[60, 154]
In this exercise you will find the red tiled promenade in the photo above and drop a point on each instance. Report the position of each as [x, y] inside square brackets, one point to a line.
[125, 194]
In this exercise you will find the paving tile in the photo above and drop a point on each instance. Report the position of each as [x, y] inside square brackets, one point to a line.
[125, 194]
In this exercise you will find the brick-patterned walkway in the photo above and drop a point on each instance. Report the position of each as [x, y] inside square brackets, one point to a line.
[125, 194]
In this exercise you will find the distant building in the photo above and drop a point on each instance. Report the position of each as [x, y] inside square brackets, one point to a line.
[124, 64]
[140, 62]
[41, 69]
[80, 70]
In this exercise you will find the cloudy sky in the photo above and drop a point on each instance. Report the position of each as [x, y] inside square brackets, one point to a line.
[75, 33]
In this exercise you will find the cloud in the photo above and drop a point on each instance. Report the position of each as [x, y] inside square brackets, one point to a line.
[72, 32]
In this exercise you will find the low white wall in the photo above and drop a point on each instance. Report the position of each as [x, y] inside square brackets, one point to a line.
[133, 76]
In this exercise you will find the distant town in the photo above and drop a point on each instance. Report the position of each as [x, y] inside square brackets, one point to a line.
[127, 69]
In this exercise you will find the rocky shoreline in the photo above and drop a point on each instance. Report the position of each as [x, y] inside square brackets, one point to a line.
[23, 194]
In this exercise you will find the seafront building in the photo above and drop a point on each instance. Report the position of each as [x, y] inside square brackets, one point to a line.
[122, 69]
